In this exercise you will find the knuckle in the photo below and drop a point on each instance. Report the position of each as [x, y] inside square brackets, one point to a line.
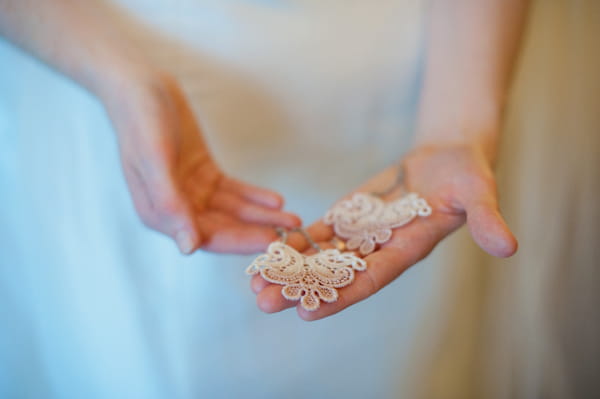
[250, 213]
[482, 183]
[373, 285]
[148, 219]
[167, 206]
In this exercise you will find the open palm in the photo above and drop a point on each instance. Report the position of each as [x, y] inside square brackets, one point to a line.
[458, 183]
[177, 187]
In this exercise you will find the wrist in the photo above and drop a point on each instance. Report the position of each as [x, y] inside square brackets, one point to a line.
[117, 76]
[479, 127]
[129, 86]
[483, 140]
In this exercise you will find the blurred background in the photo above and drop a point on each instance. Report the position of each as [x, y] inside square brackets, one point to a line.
[93, 305]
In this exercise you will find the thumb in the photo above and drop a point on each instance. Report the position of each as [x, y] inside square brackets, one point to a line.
[171, 212]
[176, 220]
[486, 224]
[188, 240]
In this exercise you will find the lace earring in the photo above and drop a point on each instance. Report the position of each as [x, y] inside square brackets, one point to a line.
[365, 220]
[308, 278]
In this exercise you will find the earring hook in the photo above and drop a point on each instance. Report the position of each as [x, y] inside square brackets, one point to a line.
[283, 233]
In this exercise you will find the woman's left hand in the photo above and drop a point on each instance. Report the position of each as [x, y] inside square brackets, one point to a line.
[457, 181]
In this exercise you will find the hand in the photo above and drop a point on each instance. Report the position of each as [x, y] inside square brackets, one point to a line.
[177, 187]
[457, 181]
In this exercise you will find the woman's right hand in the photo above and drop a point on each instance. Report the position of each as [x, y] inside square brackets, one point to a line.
[176, 186]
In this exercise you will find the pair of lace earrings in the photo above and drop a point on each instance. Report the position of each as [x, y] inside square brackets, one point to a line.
[364, 221]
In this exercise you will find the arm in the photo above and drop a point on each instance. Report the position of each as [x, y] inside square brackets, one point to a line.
[176, 186]
[471, 52]
[471, 49]
[75, 37]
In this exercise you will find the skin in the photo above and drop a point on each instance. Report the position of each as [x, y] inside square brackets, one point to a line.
[471, 48]
[179, 190]
[177, 187]
[457, 182]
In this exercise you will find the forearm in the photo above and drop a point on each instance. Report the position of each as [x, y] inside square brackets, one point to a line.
[471, 49]
[75, 37]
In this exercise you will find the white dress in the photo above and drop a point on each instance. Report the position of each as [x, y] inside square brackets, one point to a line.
[529, 326]
[309, 98]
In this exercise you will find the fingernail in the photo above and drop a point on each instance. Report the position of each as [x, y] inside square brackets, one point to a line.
[184, 242]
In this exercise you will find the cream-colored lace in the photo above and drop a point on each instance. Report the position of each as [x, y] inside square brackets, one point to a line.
[310, 279]
[366, 220]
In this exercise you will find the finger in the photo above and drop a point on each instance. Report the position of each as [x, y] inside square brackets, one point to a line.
[257, 283]
[257, 195]
[318, 232]
[241, 241]
[385, 265]
[224, 234]
[485, 223]
[270, 299]
[163, 208]
[489, 230]
[250, 212]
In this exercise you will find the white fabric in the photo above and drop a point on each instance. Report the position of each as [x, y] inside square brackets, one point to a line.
[529, 326]
[306, 97]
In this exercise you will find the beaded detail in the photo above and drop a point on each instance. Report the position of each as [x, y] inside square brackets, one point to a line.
[310, 279]
[366, 220]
